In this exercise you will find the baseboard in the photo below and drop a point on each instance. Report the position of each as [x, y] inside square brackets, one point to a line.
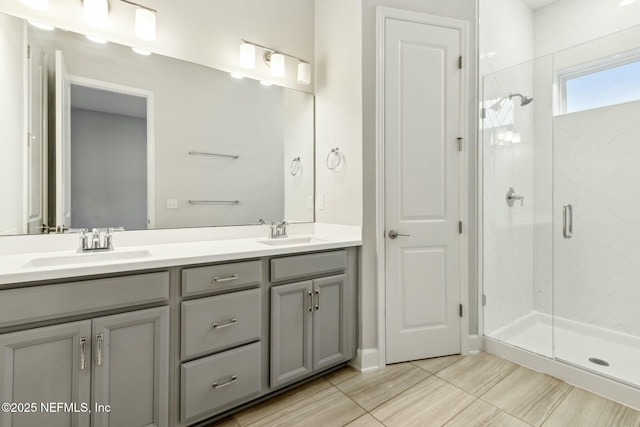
[474, 343]
[366, 360]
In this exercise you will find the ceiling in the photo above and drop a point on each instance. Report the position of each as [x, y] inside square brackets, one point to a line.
[105, 101]
[537, 4]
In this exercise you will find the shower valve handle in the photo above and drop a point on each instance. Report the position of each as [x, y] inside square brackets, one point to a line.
[512, 197]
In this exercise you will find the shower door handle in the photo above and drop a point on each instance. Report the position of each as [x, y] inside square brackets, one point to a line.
[567, 221]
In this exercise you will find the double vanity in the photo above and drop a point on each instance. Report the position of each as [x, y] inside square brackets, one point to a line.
[175, 332]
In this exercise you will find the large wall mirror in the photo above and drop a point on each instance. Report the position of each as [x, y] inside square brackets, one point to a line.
[102, 136]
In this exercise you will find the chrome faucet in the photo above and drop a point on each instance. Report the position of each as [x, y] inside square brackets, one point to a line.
[278, 230]
[96, 244]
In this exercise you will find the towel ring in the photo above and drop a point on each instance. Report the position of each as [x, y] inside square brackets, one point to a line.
[336, 153]
[295, 166]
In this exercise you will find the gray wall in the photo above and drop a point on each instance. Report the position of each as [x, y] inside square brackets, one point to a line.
[108, 170]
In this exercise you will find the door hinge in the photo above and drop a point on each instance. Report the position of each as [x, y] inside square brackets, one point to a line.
[459, 227]
[460, 62]
[29, 51]
[460, 310]
[459, 144]
[484, 300]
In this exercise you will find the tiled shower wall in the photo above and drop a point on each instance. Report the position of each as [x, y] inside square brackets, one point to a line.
[597, 271]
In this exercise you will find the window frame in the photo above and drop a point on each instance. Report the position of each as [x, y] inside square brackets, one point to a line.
[591, 67]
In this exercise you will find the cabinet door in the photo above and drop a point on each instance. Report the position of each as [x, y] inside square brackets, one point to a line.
[291, 310]
[47, 365]
[131, 368]
[330, 324]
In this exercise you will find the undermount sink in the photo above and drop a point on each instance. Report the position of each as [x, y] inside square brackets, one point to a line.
[86, 258]
[290, 241]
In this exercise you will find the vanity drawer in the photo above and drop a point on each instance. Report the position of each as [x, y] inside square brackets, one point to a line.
[221, 277]
[236, 372]
[237, 317]
[303, 266]
[67, 299]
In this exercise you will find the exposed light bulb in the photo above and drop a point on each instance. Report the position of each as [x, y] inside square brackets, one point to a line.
[96, 12]
[247, 56]
[141, 51]
[42, 26]
[145, 24]
[42, 5]
[263, 83]
[237, 75]
[277, 65]
[304, 73]
[627, 2]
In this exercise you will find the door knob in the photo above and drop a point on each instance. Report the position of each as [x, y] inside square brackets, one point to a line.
[393, 234]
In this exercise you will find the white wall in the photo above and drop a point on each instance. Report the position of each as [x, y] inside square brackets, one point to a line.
[298, 142]
[567, 23]
[338, 68]
[200, 109]
[201, 31]
[12, 131]
[109, 170]
[459, 9]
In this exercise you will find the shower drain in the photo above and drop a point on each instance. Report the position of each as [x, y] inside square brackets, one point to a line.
[598, 361]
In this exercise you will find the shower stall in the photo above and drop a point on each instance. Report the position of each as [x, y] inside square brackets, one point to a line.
[561, 207]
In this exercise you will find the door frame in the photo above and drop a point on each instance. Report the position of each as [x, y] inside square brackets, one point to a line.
[382, 14]
[151, 137]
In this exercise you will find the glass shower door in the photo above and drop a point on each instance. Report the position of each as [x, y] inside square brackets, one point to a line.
[596, 233]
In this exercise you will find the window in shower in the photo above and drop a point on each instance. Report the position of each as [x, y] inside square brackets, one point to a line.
[600, 84]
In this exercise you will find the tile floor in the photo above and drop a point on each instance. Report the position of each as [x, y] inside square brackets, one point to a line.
[477, 390]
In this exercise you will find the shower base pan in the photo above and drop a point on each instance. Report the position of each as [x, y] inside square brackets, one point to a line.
[605, 352]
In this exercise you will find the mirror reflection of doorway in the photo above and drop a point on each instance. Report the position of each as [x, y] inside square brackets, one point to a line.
[108, 159]
[106, 145]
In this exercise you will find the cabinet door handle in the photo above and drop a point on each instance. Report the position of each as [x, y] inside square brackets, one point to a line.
[226, 279]
[310, 301]
[99, 341]
[318, 296]
[567, 221]
[83, 357]
[233, 379]
[225, 325]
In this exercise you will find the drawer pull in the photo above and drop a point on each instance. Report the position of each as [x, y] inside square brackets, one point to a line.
[310, 301]
[226, 279]
[225, 325]
[83, 358]
[233, 379]
[99, 340]
[318, 295]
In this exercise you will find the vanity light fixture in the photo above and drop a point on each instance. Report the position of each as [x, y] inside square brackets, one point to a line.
[145, 26]
[96, 12]
[627, 2]
[277, 64]
[42, 5]
[247, 56]
[274, 59]
[42, 26]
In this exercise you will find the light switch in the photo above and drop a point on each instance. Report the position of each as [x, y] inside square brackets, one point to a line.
[172, 204]
[309, 202]
[320, 202]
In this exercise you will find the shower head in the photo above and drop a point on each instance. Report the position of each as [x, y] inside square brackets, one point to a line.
[524, 100]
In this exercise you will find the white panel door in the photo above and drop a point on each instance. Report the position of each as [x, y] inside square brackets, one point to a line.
[37, 143]
[422, 190]
[63, 143]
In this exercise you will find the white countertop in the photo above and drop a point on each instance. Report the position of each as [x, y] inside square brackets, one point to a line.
[168, 251]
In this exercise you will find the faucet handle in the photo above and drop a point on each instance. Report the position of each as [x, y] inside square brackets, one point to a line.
[115, 229]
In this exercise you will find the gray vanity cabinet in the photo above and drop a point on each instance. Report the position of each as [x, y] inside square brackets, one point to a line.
[309, 327]
[119, 360]
[46, 365]
[291, 330]
[130, 365]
